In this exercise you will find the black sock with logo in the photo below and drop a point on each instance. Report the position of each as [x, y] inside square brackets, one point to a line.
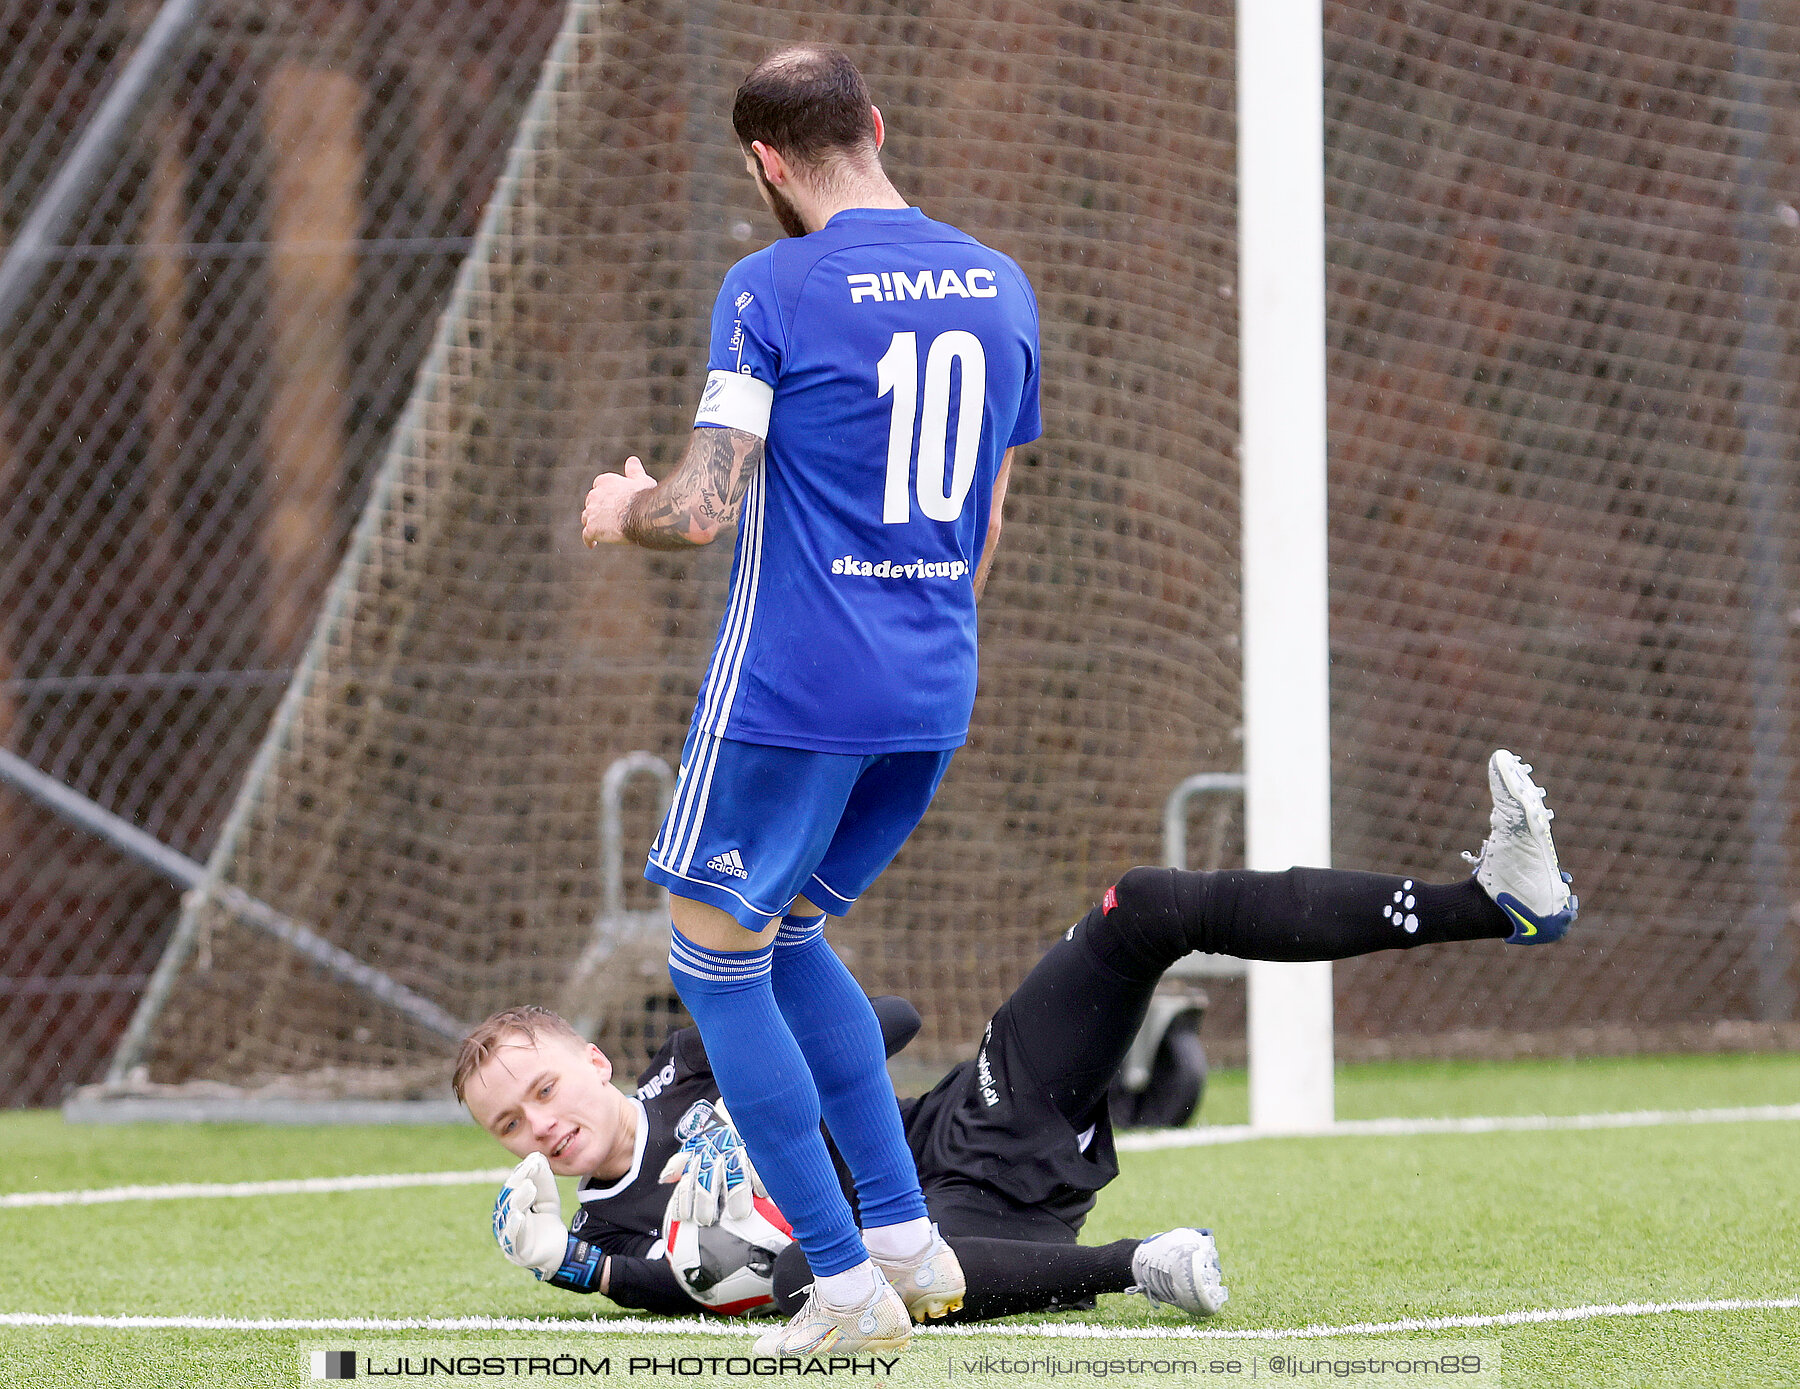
[1078, 1010]
[1160, 914]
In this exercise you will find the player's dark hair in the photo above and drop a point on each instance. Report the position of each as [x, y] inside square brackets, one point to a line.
[529, 1023]
[809, 102]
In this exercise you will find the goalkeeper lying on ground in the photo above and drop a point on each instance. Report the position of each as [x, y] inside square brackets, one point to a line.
[1011, 1146]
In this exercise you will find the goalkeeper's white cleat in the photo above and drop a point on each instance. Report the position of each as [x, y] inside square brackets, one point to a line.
[1517, 864]
[1180, 1268]
[930, 1285]
[880, 1323]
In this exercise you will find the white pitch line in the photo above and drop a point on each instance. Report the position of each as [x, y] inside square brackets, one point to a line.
[690, 1326]
[1125, 1143]
[1500, 1123]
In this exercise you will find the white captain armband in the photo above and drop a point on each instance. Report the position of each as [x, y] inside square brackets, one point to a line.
[736, 400]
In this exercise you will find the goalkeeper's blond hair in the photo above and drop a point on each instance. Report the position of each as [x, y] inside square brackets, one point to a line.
[529, 1023]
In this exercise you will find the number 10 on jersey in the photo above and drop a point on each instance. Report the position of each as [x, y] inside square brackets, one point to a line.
[898, 373]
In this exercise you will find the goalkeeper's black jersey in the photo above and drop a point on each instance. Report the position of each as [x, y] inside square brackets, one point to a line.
[676, 1094]
[995, 1157]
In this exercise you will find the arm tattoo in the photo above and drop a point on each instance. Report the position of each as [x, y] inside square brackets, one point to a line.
[701, 496]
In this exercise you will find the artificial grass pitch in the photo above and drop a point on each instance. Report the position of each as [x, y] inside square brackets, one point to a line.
[1325, 1232]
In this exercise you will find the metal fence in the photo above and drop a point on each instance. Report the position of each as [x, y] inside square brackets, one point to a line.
[199, 374]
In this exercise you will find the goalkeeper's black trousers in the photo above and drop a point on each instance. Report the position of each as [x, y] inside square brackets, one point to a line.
[1079, 1009]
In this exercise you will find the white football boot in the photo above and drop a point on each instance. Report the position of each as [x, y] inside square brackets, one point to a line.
[880, 1323]
[931, 1285]
[1517, 864]
[1180, 1268]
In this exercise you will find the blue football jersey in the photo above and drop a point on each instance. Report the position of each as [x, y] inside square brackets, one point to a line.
[889, 361]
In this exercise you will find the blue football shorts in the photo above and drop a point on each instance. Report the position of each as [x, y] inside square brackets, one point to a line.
[752, 827]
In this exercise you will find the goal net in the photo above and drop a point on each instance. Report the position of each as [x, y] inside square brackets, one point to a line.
[428, 796]
[1562, 351]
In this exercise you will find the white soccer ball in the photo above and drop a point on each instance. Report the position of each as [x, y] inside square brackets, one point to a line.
[730, 1267]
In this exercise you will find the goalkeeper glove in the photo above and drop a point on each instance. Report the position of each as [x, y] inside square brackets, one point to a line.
[528, 1222]
[712, 1174]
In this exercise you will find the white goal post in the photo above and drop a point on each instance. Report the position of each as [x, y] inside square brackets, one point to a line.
[1281, 337]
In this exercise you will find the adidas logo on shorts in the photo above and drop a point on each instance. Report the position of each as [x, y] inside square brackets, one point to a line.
[728, 862]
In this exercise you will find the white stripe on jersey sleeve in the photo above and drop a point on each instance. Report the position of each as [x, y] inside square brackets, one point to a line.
[736, 400]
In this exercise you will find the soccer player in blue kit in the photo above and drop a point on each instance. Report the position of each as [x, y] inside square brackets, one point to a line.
[869, 378]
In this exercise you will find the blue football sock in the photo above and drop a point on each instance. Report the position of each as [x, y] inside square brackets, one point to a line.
[830, 1018]
[770, 1092]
